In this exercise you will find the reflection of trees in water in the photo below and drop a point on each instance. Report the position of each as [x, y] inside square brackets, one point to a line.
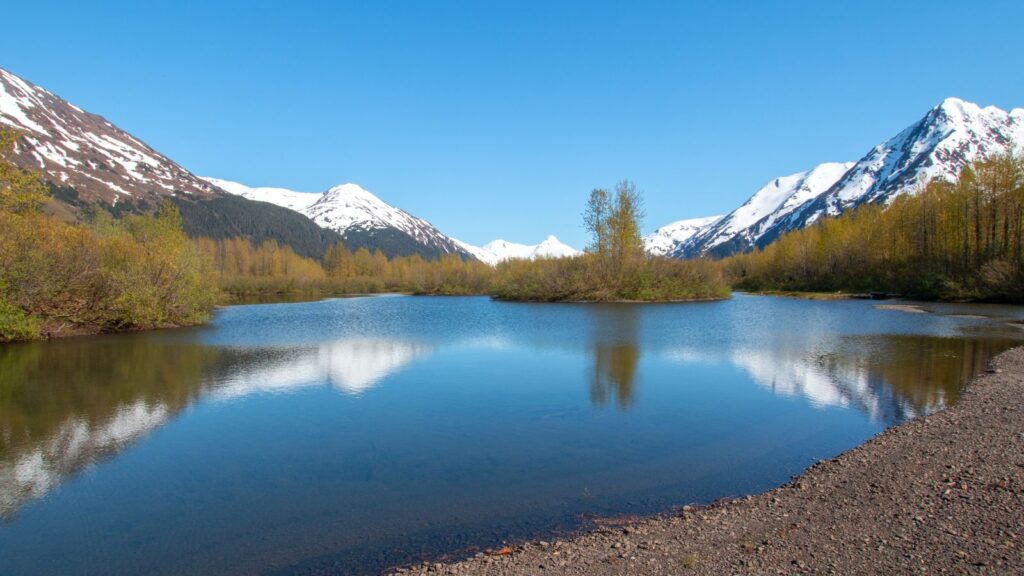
[614, 334]
[921, 373]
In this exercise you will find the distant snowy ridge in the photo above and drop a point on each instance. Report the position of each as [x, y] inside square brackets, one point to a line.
[949, 137]
[499, 250]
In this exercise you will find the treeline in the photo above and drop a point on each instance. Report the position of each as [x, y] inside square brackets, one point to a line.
[242, 268]
[615, 267]
[959, 240]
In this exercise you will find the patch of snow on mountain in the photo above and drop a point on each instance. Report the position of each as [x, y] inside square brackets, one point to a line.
[14, 102]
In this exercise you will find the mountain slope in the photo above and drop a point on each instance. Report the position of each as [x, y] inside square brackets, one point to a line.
[949, 137]
[742, 228]
[664, 240]
[84, 152]
[226, 216]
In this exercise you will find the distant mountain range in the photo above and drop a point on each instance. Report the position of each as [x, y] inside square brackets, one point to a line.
[949, 137]
[87, 161]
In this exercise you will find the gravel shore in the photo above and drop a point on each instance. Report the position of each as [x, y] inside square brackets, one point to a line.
[941, 494]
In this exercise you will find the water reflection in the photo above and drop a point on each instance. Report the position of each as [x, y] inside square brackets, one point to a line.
[65, 404]
[890, 378]
[615, 351]
[351, 366]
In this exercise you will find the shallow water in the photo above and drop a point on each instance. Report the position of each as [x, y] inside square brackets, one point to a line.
[361, 433]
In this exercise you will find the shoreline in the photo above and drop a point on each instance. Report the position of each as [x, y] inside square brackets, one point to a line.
[943, 493]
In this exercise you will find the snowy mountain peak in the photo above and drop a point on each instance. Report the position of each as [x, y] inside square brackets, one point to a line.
[956, 105]
[350, 205]
[351, 190]
[358, 215]
[552, 247]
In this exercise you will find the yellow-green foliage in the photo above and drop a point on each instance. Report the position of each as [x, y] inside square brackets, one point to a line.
[58, 277]
[139, 272]
[950, 240]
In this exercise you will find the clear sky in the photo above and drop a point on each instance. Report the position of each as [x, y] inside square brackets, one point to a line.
[495, 119]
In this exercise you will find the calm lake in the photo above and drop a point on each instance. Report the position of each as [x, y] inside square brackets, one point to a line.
[351, 435]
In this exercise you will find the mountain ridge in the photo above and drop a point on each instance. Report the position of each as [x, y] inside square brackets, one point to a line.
[947, 138]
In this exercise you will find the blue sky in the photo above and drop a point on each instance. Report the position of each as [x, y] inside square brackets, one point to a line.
[496, 118]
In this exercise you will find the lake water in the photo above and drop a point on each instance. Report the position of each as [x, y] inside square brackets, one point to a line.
[355, 434]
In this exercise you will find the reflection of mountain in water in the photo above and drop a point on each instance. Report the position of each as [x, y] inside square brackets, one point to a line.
[65, 405]
[351, 366]
[74, 445]
[889, 378]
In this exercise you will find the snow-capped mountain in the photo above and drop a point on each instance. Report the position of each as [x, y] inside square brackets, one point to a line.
[501, 250]
[743, 227]
[948, 138]
[663, 240]
[360, 217]
[83, 152]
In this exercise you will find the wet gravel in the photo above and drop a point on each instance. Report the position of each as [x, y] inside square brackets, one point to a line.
[943, 494]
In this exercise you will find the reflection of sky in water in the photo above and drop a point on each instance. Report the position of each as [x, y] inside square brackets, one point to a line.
[435, 409]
